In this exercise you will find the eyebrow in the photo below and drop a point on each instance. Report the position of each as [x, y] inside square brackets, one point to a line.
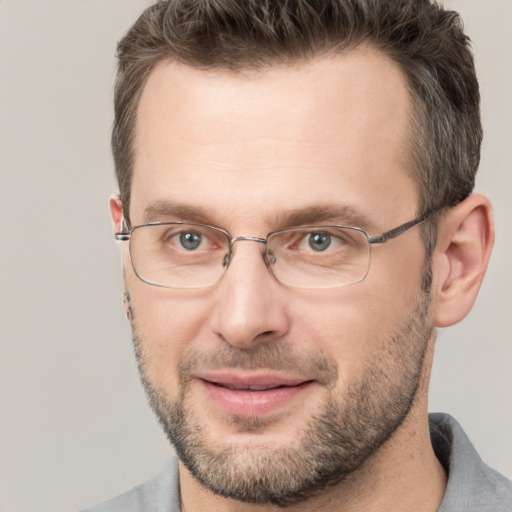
[331, 214]
[163, 210]
[335, 214]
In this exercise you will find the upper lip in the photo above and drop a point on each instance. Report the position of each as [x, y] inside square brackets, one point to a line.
[253, 382]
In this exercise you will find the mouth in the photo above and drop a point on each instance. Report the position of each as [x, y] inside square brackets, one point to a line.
[248, 387]
[252, 395]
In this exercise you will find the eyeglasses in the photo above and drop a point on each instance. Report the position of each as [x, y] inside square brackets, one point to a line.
[185, 255]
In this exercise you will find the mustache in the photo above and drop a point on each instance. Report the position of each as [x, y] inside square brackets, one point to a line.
[270, 355]
[266, 355]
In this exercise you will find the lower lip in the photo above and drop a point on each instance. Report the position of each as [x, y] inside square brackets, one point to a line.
[250, 404]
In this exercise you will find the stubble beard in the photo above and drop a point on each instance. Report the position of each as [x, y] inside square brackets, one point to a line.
[335, 442]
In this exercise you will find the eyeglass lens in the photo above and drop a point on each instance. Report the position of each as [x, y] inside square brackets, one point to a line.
[179, 255]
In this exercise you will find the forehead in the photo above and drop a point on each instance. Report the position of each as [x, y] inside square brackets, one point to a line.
[328, 130]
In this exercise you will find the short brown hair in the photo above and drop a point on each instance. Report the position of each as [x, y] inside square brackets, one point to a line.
[427, 42]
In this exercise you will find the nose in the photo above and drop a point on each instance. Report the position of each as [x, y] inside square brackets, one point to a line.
[250, 305]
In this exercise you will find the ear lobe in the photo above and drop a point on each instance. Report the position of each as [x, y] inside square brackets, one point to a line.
[465, 240]
[116, 211]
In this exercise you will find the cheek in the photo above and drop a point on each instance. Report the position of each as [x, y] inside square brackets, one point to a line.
[166, 323]
[353, 325]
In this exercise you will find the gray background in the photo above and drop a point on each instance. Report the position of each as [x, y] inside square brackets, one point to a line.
[74, 425]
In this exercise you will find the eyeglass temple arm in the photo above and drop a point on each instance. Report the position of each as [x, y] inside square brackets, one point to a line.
[393, 233]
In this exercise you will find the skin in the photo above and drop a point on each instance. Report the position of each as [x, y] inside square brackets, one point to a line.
[250, 148]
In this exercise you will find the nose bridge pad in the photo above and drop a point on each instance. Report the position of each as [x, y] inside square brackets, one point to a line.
[227, 258]
[270, 257]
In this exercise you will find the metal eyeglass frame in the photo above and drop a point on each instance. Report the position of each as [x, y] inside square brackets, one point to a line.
[125, 236]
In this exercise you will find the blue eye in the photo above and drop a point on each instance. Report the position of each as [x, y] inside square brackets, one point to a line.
[319, 241]
[190, 240]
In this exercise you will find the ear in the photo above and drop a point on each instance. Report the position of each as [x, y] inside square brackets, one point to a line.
[116, 212]
[464, 244]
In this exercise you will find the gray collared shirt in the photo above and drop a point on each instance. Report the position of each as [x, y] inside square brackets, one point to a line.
[472, 485]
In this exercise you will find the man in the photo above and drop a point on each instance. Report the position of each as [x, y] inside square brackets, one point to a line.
[296, 218]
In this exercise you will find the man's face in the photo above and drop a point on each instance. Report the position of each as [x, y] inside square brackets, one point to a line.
[269, 392]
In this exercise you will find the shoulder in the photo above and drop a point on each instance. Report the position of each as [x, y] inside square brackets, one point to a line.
[472, 485]
[159, 494]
